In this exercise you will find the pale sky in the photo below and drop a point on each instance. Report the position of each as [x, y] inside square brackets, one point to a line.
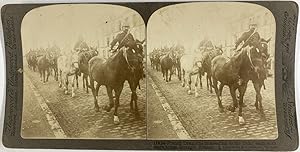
[189, 23]
[64, 24]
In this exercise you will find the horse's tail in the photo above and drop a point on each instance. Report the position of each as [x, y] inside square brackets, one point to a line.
[264, 85]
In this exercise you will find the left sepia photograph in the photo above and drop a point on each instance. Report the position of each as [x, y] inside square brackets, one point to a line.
[84, 74]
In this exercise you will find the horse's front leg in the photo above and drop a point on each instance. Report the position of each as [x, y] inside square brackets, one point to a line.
[210, 83]
[134, 98]
[179, 73]
[196, 86]
[242, 90]
[48, 74]
[190, 83]
[215, 85]
[166, 74]
[44, 75]
[163, 73]
[118, 91]
[183, 78]
[41, 75]
[83, 81]
[94, 92]
[221, 86]
[60, 79]
[73, 85]
[207, 81]
[56, 74]
[257, 87]
[171, 72]
[66, 83]
[111, 99]
[87, 83]
[76, 78]
[200, 79]
[234, 100]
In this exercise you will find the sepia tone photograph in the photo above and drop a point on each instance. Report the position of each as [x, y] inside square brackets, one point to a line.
[84, 72]
[210, 69]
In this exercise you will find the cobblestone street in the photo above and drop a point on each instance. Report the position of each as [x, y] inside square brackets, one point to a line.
[201, 118]
[77, 116]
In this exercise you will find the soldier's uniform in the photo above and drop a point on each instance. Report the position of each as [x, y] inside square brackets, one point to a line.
[248, 38]
[81, 46]
[205, 45]
[125, 38]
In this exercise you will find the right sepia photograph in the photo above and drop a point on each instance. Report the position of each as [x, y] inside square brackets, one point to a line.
[211, 73]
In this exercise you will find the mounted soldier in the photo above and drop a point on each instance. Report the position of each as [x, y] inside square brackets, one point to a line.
[205, 45]
[124, 39]
[81, 46]
[249, 38]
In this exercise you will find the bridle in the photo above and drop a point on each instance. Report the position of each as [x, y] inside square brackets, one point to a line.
[131, 68]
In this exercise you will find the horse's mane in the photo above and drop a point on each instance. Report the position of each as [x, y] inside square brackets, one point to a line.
[236, 56]
[114, 56]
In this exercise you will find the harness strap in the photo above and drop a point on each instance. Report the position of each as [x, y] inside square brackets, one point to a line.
[126, 58]
[249, 37]
[249, 56]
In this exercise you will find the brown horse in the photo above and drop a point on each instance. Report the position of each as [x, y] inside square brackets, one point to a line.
[43, 64]
[31, 58]
[206, 65]
[84, 58]
[126, 64]
[245, 65]
[167, 62]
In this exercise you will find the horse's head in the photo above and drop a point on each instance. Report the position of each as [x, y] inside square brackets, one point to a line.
[254, 59]
[94, 51]
[262, 48]
[134, 61]
[139, 47]
[260, 71]
[218, 51]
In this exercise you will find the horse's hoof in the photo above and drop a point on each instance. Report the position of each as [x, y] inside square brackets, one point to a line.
[116, 120]
[107, 108]
[244, 105]
[182, 84]
[66, 92]
[97, 109]
[137, 114]
[73, 95]
[189, 92]
[241, 120]
[231, 108]
[221, 110]
[196, 94]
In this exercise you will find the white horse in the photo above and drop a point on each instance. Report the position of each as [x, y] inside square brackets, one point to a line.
[67, 67]
[190, 66]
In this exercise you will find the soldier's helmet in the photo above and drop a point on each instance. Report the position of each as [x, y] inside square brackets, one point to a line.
[125, 27]
[252, 25]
